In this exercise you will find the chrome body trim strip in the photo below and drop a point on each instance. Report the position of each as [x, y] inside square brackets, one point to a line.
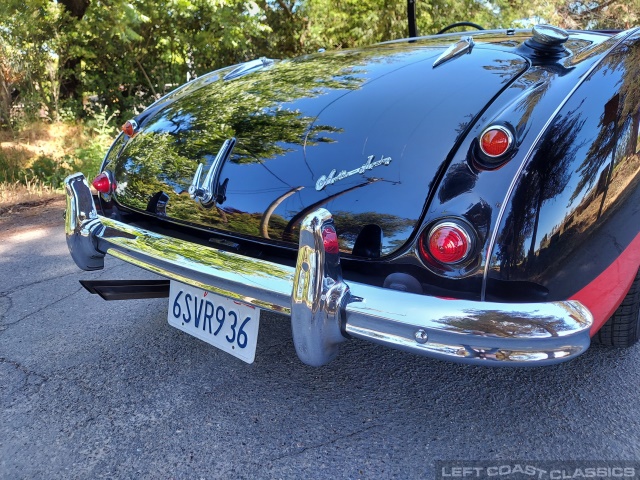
[248, 67]
[323, 308]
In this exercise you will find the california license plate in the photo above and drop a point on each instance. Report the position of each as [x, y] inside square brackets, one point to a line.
[229, 325]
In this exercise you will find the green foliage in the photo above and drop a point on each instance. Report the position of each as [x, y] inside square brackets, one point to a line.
[48, 170]
[88, 159]
[101, 128]
[58, 56]
[99, 62]
[55, 55]
[137, 51]
[10, 167]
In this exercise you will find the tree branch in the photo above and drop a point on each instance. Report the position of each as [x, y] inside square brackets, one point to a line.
[286, 8]
[153, 90]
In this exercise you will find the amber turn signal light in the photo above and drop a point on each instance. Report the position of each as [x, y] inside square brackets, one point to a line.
[130, 127]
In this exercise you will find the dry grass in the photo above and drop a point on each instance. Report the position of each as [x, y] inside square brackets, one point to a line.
[18, 150]
[25, 215]
[52, 140]
[16, 195]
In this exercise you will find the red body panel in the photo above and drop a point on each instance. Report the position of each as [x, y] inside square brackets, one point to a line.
[603, 295]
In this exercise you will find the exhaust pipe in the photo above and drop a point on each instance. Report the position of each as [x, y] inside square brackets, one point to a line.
[127, 289]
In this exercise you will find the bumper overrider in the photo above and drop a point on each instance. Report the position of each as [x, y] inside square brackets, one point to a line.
[325, 311]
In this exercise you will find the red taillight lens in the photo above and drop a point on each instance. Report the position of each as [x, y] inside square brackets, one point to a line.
[330, 240]
[102, 183]
[130, 127]
[447, 243]
[495, 141]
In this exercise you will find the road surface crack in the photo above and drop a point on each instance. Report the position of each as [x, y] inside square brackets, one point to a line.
[58, 277]
[33, 381]
[31, 384]
[6, 303]
[43, 307]
[37, 282]
[9, 300]
[23, 369]
[302, 450]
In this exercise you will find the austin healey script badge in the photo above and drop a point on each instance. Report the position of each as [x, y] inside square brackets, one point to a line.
[332, 178]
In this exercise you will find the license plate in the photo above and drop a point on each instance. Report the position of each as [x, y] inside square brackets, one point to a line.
[229, 325]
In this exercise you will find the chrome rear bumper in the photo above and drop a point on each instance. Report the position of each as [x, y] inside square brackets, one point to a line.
[325, 310]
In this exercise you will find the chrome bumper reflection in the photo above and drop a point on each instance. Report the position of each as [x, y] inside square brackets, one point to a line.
[325, 310]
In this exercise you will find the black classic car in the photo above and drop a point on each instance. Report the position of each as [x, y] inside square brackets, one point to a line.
[466, 196]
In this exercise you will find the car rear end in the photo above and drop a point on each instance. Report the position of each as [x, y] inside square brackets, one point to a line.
[359, 192]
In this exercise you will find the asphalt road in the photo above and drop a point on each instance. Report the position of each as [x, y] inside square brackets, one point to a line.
[94, 389]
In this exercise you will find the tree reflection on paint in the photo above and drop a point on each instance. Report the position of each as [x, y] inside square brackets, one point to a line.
[502, 324]
[598, 162]
[543, 181]
[258, 110]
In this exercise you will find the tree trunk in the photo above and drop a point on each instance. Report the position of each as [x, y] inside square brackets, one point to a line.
[5, 101]
[70, 84]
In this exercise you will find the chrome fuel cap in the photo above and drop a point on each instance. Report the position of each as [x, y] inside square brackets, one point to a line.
[549, 35]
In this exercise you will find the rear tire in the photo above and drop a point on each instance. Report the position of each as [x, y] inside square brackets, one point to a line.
[623, 328]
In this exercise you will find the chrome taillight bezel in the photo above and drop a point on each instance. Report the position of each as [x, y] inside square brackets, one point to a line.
[510, 141]
[461, 267]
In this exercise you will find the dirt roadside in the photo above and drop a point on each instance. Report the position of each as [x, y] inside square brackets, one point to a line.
[23, 216]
